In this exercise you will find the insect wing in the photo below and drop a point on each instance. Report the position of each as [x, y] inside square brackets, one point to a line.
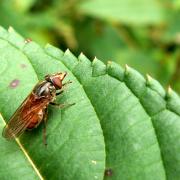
[24, 115]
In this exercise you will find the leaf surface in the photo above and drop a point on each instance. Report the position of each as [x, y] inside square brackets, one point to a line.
[75, 142]
[14, 160]
[139, 120]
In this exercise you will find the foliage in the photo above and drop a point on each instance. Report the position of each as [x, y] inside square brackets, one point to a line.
[121, 123]
[134, 32]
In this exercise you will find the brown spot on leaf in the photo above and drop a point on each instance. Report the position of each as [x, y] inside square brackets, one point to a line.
[108, 172]
[14, 83]
[23, 65]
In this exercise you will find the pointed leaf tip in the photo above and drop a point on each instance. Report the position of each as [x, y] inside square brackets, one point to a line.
[81, 56]
[148, 79]
[127, 68]
[109, 62]
[47, 45]
[67, 51]
[169, 90]
[10, 29]
[94, 60]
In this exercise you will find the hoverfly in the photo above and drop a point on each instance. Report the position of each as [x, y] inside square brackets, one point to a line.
[34, 108]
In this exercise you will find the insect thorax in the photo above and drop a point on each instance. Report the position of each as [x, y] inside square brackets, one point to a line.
[45, 89]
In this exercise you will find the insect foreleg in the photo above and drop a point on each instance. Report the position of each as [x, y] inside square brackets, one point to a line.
[66, 83]
[61, 105]
[64, 86]
[60, 92]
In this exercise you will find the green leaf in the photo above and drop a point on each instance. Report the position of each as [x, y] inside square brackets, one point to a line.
[139, 12]
[75, 142]
[140, 121]
[15, 161]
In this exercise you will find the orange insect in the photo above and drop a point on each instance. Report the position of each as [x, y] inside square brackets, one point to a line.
[34, 108]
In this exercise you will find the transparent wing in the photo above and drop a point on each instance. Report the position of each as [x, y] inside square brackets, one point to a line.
[24, 115]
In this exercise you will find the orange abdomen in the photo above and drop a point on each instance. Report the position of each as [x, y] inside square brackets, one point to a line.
[36, 119]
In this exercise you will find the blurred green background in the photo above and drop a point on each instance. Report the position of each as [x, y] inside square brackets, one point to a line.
[144, 34]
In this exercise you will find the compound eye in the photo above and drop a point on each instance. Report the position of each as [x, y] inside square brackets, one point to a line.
[57, 82]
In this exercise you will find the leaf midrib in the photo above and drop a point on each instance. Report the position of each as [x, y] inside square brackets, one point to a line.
[25, 153]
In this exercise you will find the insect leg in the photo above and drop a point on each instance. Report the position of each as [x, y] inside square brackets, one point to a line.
[62, 90]
[61, 105]
[44, 129]
[68, 82]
